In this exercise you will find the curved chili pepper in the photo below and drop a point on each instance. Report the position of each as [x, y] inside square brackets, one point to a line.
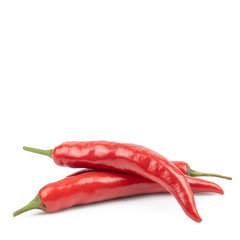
[183, 166]
[128, 158]
[87, 186]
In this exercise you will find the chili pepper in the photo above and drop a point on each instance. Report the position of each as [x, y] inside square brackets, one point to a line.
[183, 166]
[128, 158]
[87, 186]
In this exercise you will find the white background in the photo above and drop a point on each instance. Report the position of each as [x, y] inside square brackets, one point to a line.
[163, 74]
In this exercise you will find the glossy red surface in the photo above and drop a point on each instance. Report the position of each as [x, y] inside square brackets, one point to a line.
[87, 186]
[129, 158]
[183, 166]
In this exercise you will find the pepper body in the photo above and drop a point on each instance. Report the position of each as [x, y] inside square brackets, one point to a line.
[89, 186]
[182, 166]
[129, 158]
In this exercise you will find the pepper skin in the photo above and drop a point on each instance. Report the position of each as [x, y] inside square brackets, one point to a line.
[197, 185]
[129, 158]
[88, 186]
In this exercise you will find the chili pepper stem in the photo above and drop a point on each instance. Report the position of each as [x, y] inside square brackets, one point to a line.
[194, 173]
[39, 151]
[36, 203]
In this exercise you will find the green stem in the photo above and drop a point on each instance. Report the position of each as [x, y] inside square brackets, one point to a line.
[194, 173]
[36, 203]
[39, 151]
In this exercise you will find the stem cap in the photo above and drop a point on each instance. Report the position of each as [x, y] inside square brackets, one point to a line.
[36, 203]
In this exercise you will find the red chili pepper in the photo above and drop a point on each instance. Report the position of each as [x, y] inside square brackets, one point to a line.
[128, 158]
[87, 186]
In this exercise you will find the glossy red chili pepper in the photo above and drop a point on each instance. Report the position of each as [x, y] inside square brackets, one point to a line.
[128, 158]
[197, 185]
[87, 186]
[185, 168]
